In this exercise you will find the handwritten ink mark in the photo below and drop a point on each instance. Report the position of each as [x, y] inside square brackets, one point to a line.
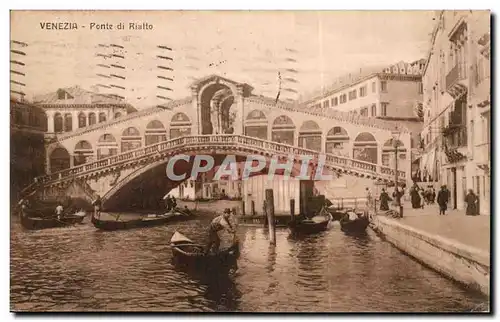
[279, 88]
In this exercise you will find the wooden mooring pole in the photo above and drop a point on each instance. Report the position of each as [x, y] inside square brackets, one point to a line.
[252, 208]
[270, 216]
[292, 210]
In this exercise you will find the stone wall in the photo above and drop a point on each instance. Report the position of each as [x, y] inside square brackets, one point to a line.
[464, 264]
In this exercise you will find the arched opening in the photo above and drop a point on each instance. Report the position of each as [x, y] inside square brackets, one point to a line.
[59, 160]
[82, 120]
[106, 146]
[83, 153]
[117, 115]
[155, 132]
[180, 125]
[256, 124]
[388, 153]
[337, 140]
[92, 118]
[310, 136]
[227, 118]
[131, 139]
[283, 130]
[58, 123]
[68, 122]
[213, 109]
[102, 117]
[365, 148]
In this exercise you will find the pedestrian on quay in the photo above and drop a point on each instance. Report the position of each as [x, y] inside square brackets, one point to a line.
[384, 200]
[415, 196]
[422, 197]
[433, 195]
[471, 199]
[443, 198]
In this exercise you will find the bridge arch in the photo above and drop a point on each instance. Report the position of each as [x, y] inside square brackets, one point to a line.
[59, 160]
[131, 139]
[365, 148]
[117, 194]
[82, 120]
[155, 132]
[310, 136]
[106, 146]
[102, 117]
[180, 125]
[68, 122]
[283, 130]
[92, 118]
[211, 112]
[388, 152]
[58, 123]
[337, 140]
[256, 125]
[82, 153]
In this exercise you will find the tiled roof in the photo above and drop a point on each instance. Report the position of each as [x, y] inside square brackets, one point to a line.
[80, 96]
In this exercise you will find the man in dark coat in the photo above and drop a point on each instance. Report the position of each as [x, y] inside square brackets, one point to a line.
[471, 200]
[415, 196]
[384, 200]
[442, 199]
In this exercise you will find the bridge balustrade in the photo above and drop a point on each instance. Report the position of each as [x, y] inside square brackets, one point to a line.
[204, 140]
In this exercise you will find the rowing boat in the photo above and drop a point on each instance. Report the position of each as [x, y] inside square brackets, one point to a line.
[31, 219]
[357, 225]
[149, 220]
[188, 253]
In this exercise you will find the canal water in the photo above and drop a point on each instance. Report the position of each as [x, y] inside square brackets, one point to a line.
[83, 269]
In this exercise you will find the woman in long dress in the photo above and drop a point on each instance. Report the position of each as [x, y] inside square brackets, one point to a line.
[471, 200]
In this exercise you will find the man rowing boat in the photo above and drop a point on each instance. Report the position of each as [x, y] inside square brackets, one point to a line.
[218, 224]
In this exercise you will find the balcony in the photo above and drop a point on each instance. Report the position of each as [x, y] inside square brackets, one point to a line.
[454, 85]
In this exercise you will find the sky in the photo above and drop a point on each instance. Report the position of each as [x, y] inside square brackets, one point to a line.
[255, 47]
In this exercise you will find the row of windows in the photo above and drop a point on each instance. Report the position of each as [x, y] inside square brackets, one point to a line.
[372, 110]
[32, 118]
[341, 99]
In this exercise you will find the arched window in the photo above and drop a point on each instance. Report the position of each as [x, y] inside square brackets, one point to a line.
[58, 123]
[68, 122]
[256, 124]
[131, 139]
[336, 140]
[82, 120]
[180, 125]
[92, 118]
[106, 146]
[283, 130]
[59, 160]
[117, 115]
[83, 153]
[155, 132]
[102, 117]
[389, 152]
[365, 148]
[310, 136]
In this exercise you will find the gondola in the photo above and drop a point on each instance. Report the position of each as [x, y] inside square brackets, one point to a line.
[187, 253]
[150, 220]
[32, 219]
[357, 225]
[309, 226]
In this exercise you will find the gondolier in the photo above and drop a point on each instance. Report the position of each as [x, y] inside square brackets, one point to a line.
[218, 224]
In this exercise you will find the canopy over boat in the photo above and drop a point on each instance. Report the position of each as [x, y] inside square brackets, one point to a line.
[180, 238]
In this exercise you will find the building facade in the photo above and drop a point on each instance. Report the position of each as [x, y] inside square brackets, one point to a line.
[69, 109]
[28, 124]
[456, 134]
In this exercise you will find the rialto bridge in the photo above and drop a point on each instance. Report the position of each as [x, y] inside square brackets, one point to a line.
[127, 155]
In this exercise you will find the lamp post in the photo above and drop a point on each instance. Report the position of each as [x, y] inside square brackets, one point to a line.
[395, 144]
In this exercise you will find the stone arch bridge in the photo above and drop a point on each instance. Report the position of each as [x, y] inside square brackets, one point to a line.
[220, 117]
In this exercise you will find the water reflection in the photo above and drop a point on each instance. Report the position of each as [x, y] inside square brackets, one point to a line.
[80, 268]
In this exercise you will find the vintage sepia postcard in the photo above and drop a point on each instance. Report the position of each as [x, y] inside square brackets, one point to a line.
[250, 161]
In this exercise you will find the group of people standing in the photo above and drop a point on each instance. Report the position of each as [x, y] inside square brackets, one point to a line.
[420, 197]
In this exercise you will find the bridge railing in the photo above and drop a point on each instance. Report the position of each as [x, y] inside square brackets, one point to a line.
[223, 140]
